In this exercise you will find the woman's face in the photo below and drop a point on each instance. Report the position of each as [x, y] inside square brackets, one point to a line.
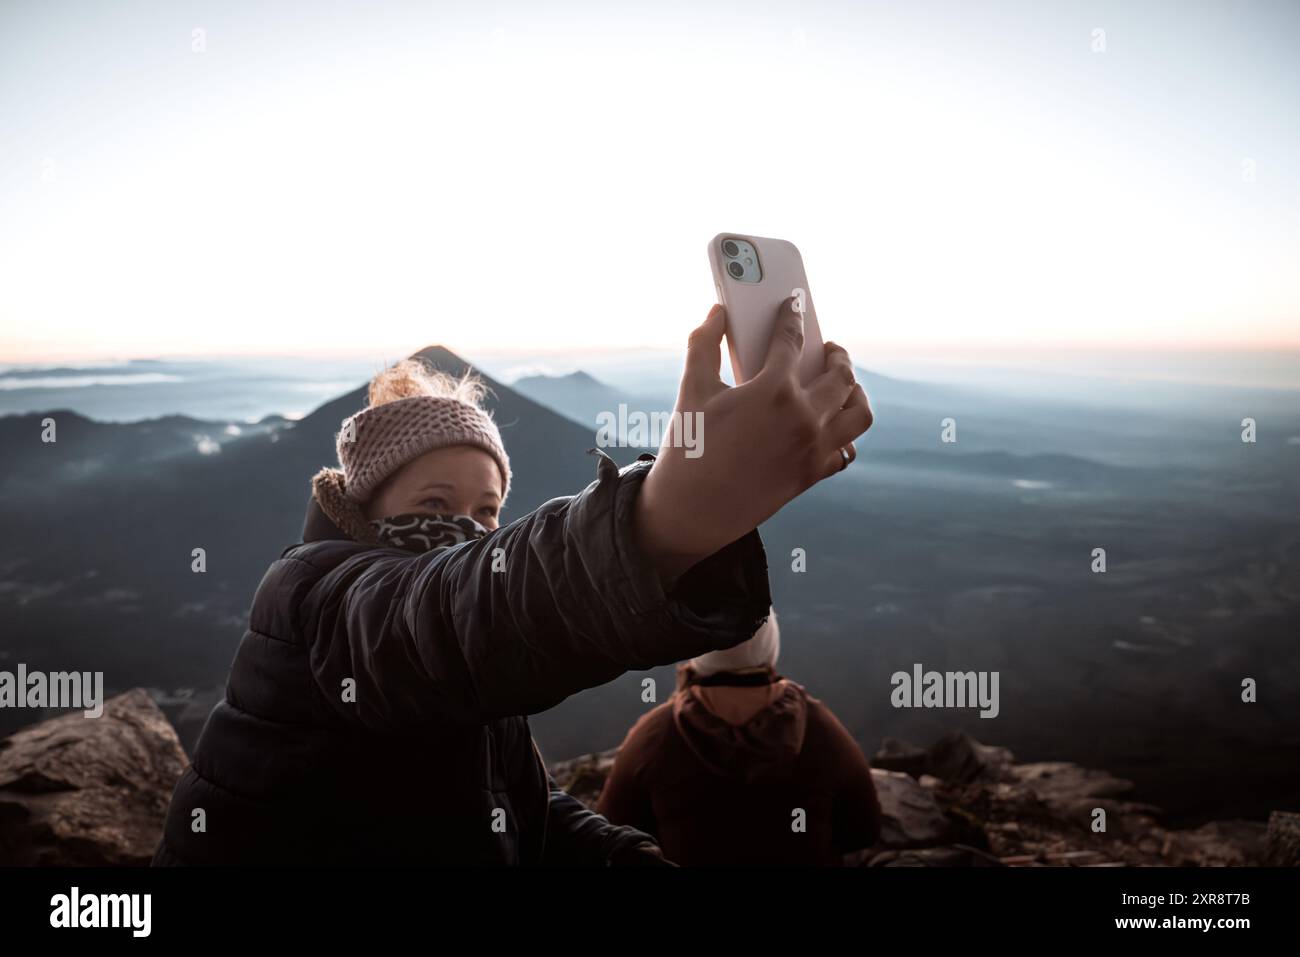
[460, 479]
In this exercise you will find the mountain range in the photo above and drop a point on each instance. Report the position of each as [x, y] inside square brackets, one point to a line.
[976, 554]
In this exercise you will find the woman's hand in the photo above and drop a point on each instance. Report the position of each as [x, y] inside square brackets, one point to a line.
[761, 444]
[642, 855]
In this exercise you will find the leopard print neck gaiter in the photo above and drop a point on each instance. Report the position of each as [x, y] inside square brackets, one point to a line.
[424, 533]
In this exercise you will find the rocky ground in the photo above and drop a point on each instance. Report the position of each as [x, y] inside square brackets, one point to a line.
[962, 803]
[94, 792]
[75, 791]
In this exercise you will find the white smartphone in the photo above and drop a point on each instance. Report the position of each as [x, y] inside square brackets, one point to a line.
[754, 275]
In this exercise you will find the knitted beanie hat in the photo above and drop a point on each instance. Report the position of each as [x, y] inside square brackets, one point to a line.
[760, 650]
[376, 442]
[413, 410]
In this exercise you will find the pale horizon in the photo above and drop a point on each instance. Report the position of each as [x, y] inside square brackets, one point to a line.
[206, 180]
[1241, 367]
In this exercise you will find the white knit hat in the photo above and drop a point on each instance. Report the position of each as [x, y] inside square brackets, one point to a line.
[762, 649]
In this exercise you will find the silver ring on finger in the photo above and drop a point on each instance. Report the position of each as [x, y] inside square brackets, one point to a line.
[844, 453]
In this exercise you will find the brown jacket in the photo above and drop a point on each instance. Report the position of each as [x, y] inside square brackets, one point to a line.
[718, 770]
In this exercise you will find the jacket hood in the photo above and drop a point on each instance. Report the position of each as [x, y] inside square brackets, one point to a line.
[329, 495]
[771, 736]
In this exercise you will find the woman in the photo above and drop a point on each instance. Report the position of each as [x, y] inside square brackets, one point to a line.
[742, 766]
[376, 708]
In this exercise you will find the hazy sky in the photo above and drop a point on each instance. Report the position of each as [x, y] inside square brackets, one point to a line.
[374, 177]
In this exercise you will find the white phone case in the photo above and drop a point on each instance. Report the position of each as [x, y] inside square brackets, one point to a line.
[752, 306]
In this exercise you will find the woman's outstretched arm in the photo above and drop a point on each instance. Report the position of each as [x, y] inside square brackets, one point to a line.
[651, 564]
[559, 601]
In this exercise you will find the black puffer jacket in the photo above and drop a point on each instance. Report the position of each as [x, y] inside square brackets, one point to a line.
[433, 762]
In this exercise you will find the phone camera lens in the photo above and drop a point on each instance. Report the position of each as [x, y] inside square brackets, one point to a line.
[736, 269]
[730, 248]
